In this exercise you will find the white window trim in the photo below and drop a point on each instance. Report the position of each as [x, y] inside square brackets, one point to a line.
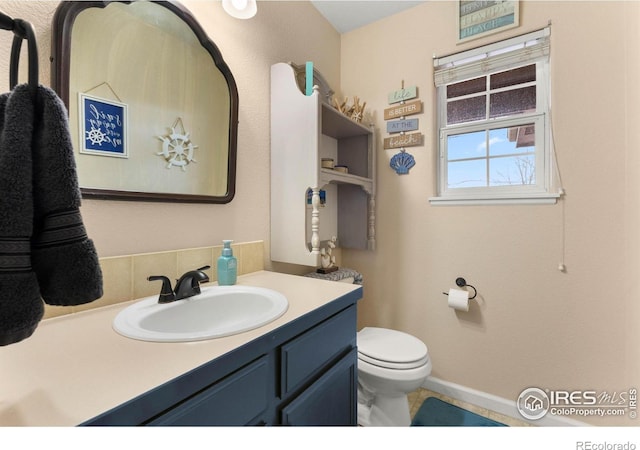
[526, 49]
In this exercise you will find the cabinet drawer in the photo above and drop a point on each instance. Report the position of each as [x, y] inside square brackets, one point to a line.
[236, 400]
[308, 353]
[331, 400]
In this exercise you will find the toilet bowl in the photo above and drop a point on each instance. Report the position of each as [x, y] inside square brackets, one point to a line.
[390, 365]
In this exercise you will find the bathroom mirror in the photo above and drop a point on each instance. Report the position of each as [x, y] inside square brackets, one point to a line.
[153, 107]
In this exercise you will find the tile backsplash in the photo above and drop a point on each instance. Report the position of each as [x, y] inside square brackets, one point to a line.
[125, 277]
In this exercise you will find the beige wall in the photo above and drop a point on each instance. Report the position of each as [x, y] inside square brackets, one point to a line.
[533, 325]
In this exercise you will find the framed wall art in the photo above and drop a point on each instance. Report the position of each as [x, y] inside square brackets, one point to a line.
[481, 18]
[103, 126]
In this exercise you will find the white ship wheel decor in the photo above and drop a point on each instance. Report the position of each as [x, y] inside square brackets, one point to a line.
[177, 148]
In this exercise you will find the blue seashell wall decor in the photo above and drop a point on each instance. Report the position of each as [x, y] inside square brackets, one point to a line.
[402, 162]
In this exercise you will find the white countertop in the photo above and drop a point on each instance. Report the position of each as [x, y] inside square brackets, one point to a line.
[75, 367]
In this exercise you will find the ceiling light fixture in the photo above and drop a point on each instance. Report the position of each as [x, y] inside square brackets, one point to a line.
[240, 9]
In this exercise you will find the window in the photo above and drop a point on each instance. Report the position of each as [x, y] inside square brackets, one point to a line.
[493, 121]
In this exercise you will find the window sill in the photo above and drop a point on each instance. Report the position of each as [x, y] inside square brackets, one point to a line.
[539, 199]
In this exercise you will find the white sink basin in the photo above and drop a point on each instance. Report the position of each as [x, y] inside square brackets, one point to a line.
[218, 311]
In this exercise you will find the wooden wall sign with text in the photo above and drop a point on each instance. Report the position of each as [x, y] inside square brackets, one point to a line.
[403, 140]
[406, 109]
[402, 95]
[402, 162]
[396, 126]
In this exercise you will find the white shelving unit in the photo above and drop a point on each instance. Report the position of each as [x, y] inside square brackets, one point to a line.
[305, 129]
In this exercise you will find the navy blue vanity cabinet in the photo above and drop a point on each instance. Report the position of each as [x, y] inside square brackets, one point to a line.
[302, 373]
[319, 374]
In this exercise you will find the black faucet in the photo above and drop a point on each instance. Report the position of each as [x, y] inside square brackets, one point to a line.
[187, 286]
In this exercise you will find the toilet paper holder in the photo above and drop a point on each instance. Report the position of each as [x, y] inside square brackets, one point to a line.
[461, 282]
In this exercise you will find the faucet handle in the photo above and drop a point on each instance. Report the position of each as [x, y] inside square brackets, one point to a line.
[166, 293]
[195, 282]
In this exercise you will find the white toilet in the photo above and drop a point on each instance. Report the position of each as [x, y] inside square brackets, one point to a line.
[390, 365]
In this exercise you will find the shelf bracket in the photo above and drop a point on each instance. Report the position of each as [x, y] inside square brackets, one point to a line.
[371, 231]
[315, 220]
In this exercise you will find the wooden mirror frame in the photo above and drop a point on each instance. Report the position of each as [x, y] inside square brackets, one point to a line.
[62, 27]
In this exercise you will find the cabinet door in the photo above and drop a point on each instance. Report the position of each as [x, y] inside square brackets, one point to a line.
[332, 400]
[238, 399]
[309, 353]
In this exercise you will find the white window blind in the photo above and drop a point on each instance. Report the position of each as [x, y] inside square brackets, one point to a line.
[508, 53]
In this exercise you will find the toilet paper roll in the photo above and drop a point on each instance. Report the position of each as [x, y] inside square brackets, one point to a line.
[459, 299]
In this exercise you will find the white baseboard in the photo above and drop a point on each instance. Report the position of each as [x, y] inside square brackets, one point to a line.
[494, 403]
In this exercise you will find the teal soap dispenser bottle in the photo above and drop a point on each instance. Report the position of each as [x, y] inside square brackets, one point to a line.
[227, 265]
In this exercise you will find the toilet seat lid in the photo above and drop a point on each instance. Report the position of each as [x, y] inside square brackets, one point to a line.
[391, 348]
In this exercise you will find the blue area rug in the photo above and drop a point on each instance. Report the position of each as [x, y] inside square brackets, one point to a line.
[437, 413]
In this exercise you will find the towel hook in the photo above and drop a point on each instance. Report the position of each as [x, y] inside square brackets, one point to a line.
[24, 30]
[461, 282]
[21, 30]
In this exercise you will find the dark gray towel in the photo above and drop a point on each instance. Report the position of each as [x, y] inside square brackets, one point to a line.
[44, 249]
[21, 307]
[63, 257]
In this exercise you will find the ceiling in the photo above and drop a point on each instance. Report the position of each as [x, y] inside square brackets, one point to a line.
[348, 15]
